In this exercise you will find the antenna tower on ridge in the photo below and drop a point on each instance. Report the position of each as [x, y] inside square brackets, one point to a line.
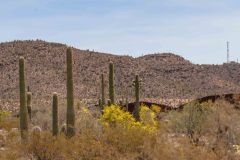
[227, 52]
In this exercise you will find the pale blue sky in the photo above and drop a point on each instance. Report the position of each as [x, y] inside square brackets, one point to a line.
[195, 29]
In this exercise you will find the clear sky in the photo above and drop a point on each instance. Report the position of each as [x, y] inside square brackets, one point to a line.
[195, 29]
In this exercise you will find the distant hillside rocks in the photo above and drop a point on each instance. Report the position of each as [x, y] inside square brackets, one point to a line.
[165, 58]
[164, 76]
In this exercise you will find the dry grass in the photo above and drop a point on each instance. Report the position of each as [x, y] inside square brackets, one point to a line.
[213, 138]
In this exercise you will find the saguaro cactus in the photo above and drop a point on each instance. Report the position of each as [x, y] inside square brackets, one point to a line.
[111, 83]
[29, 104]
[121, 103]
[103, 89]
[28, 89]
[126, 104]
[70, 98]
[100, 104]
[136, 112]
[109, 102]
[23, 107]
[63, 129]
[55, 115]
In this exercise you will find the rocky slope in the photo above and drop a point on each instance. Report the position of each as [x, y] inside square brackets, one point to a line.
[164, 76]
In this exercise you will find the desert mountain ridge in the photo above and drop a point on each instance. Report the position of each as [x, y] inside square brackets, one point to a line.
[164, 76]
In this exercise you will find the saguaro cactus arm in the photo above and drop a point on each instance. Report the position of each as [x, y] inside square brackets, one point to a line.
[29, 104]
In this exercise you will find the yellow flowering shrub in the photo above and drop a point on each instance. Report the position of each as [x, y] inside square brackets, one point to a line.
[148, 118]
[114, 116]
[155, 108]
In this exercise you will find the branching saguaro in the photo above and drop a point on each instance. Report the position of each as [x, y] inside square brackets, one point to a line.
[55, 129]
[23, 106]
[136, 112]
[70, 97]
[111, 83]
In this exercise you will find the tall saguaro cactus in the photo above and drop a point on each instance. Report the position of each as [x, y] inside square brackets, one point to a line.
[70, 98]
[23, 106]
[111, 83]
[109, 102]
[55, 115]
[126, 104]
[29, 104]
[103, 89]
[28, 89]
[100, 104]
[136, 112]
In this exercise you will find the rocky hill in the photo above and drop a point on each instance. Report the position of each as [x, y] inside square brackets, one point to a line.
[164, 76]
